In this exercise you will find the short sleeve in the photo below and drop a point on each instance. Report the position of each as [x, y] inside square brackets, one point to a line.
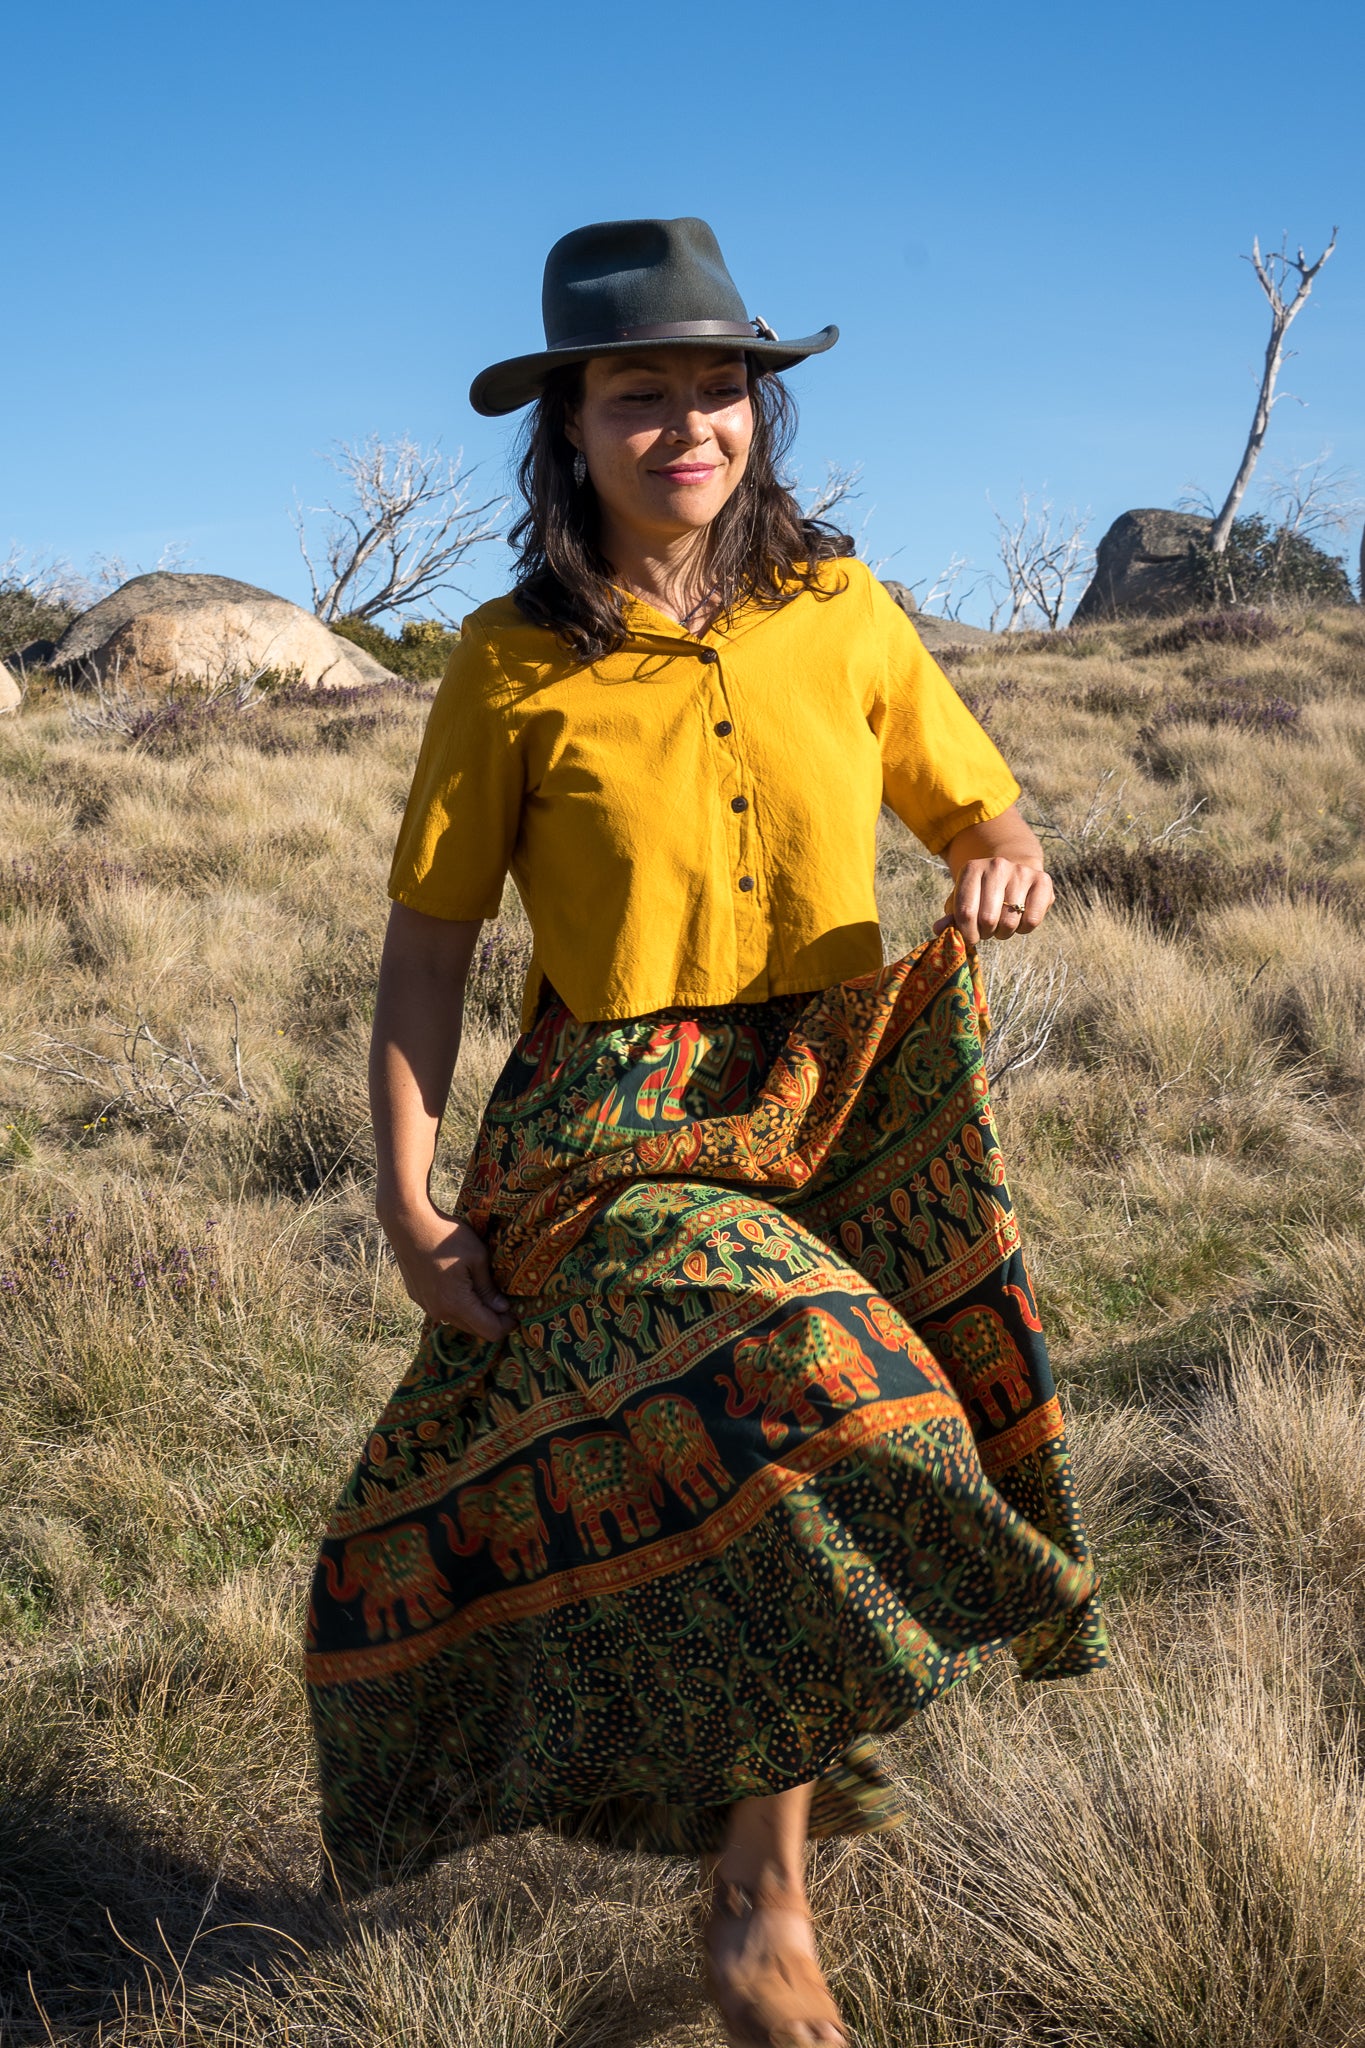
[463, 811]
[940, 771]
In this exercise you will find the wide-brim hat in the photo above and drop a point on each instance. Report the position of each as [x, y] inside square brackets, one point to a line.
[626, 284]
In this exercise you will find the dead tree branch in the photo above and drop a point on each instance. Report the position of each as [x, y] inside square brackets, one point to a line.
[1025, 1001]
[1108, 821]
[402, 535]
[842, 483]
[942, 599]
[144, 1079]
[1311, 499]
[1272, 272]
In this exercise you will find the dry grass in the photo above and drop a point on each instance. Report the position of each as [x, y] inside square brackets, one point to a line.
[197, 1319]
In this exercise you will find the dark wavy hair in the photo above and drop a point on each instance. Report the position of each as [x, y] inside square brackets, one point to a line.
[760, 547]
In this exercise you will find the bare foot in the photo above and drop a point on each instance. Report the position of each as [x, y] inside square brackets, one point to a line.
[763, 1971]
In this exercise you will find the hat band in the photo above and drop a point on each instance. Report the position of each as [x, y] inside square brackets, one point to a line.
[668, 330]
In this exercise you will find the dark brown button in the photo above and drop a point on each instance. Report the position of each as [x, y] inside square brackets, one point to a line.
[746, 881]
[723, 728]
[709, 654]
[739, 803]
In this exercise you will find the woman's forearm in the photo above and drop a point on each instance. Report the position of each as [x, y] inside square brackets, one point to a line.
[1007, 837]
[418, 1012]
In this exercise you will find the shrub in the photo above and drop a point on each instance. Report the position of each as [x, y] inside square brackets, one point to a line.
[25, 617]
[1265, 564]
[1241, 701]
[281, 719]
[419, 652]
[1173, 887]
[1078, 643]
[61, 881]
[181, 725]
[1248, 626]
[309, 1145]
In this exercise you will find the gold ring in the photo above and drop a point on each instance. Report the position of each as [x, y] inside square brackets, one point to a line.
[1016, 907]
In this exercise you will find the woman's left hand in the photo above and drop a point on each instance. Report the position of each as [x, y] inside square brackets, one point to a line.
[997, 899]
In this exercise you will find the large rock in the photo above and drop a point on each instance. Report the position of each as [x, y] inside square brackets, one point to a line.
[933, 631]
[902, 594]
[213, 629]
[1142, 567]
[11, 696]
[937, 633]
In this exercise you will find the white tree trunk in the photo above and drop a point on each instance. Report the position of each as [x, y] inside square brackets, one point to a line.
[1271, 271]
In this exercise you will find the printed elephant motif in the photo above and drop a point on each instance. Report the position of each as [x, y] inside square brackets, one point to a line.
[383, 1569]
[671, 1436]
[503, 1514]
[779, 1372]
[881, 1320]
[877, 1316]
[592, 1476]
[983, 1362]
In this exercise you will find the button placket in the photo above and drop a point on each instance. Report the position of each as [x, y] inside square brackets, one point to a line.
[723, 729]
[739, 804]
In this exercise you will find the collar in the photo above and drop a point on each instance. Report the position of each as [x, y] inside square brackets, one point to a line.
[645, 622]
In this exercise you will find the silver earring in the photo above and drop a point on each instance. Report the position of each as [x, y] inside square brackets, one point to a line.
[580, 468]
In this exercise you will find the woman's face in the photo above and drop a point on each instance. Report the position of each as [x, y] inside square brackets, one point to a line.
[666, 436]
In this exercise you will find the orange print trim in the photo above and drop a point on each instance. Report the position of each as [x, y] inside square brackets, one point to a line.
[1030, 1433]
[745, 1507]
[663, 1367]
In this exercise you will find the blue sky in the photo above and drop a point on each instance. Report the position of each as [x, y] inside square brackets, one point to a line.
[236, 235]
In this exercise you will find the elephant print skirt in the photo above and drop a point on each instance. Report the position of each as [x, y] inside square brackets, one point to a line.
[771, 1458]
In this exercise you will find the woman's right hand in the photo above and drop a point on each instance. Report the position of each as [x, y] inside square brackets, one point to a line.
[444, 1265]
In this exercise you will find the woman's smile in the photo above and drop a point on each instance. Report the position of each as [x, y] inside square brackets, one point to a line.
[686, 472]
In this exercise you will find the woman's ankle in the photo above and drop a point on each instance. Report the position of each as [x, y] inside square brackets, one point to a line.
[765, 1845]
[771, 1880]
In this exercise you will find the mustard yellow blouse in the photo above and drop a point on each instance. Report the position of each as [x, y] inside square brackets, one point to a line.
[692, 819]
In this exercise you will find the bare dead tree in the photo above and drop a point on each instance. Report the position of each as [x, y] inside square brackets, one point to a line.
[1312, 499]
[403, 534]
[842, 483]
[1273, 272]
[1043, 555]
[48, 579]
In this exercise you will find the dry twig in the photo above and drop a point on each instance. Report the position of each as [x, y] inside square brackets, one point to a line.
[1106, 819]
[1025, 1001]
[145, 1079]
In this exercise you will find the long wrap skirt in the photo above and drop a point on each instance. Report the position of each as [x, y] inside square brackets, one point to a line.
[770, 1460]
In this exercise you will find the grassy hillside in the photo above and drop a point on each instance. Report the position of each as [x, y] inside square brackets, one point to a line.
[197, 1320]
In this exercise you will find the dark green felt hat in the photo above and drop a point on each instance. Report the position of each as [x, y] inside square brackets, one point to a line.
[627, 284]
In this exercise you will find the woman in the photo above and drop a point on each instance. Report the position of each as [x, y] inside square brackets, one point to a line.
[731, 1439]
